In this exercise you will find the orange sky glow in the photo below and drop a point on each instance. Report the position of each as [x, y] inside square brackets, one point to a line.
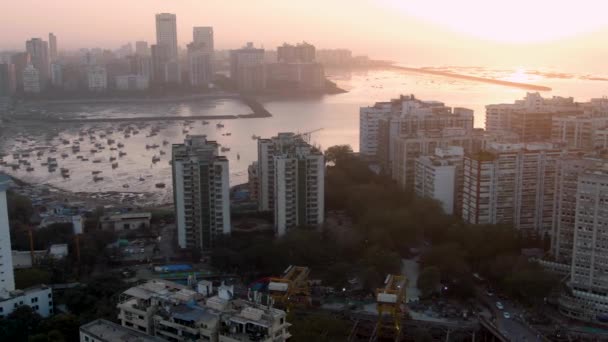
[539, 33]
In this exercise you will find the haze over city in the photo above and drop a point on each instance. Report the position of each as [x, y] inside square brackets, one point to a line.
[544, 33]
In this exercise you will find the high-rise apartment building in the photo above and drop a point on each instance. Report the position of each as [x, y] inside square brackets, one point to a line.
[440, 177]
[369, 121]
[39, 52]
[587, 295]
[300, 53]
[20, 60]
[52, 47]
[291, 178]
[247, 68]
[530, 118]
[31, 80]
[512, 184]
[201, 191]
[166, 33]
[203, 35]
[199, 65]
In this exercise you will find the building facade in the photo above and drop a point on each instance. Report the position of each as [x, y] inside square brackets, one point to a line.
[38, 49]
[97, 78]
[132, 82]
[247, 69]
[166, 33]
[199, 65]
[291, 179]
[201, 193]
[31, 80]
[203, 35]
[440, 177]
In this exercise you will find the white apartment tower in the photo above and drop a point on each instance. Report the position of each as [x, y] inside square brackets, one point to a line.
[369, 118]
[440, 177]
[97, 78]
[201, 192]
[291, 178]
[7, 280]
[587, 298]
[512, 184]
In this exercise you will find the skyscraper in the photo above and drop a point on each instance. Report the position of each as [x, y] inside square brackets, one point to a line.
[39, 52]
[166, 32]
[21, 60]
[52, 47]
[8, 83]
[291, 178]
[7, 280]
[201, 193]
[31, 80]
[247, 68]
[203, 35]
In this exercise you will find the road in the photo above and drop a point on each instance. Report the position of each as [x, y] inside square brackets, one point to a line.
[512, 327]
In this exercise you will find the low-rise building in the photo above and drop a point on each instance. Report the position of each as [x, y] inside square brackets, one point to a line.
[39, 298]
[132, 82]
[101, 330]
[175, 312]
[128, 221]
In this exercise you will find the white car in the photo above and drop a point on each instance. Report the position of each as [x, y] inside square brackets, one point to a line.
[506, 315]
[499, 305]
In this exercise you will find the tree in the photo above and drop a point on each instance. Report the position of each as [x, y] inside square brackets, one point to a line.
[338, 153]
[429, 280]
[20, 208]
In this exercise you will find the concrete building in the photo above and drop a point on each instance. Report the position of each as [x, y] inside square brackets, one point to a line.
[97, 78]
[578, 131]
[253, 181]
[160, 57]
[512, 184]
[7, 280]
[247, 68]
[142, 48]
[175, 312]
[132, 82]
[39, 52]
[203, 35]
[52, 48]
[31, 80]
[39, 298]
[531, 118]
[300, 53]
[334, 57]
[295, 76]
[291, 176]
[382, 125]
[166, 33]
[141, 65]
[101, 330]
[20, 61]
[56, 74]
[128, 221]
[200, 65]
[8, 80]
[201, 191]
[440, 177]
[587, 296]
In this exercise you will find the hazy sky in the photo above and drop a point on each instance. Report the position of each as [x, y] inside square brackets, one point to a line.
[553, 33]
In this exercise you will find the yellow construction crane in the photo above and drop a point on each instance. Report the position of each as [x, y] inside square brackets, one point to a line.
[391, 307]
[292, 287]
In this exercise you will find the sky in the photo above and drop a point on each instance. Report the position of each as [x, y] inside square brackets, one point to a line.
[558, 34]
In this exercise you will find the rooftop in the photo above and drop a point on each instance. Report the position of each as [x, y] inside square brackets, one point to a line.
[104, 330]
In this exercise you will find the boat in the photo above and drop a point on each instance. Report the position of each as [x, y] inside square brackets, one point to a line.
[85, 159]
[185, 131]
[111, 141]
[126, 186]
[205, 122]
[255, 137]
[96, 172]
[122, 154]
[113, 149]
[160, 185]
[227, 134]
[238, 156]
[112, 159]
[65, 142]
[120, 145]
[225, 149]
[162, 153]
[114, 165]
[93, 150]
[97, 161]
[97, 178]
[141, 178]
[64, 155]
[155, 159]
[165, 143]
[219, 125]
[29, 169]
[40, 153]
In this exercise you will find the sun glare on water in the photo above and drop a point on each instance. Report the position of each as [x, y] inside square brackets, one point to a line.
[514, 21]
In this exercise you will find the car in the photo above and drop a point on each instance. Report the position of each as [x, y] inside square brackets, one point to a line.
[489, 293]
[506, 315]
[499, 305]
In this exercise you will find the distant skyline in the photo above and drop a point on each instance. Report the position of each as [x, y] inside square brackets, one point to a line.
[557, 34]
